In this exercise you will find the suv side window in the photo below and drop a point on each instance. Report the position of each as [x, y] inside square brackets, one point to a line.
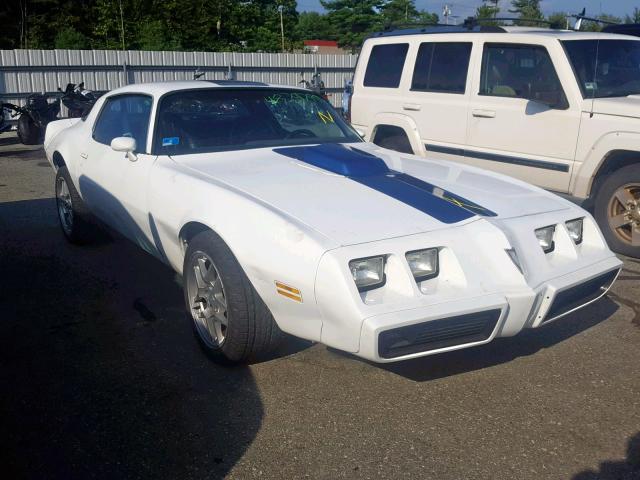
[124, 116]
[441, 67]
[385, 65]
[520, 71]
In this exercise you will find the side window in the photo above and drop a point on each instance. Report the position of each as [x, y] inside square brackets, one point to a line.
[124, 116]
[520, 71]
[385, 65]
[442, 67]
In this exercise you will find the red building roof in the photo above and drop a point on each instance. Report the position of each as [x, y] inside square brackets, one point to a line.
[320, 43]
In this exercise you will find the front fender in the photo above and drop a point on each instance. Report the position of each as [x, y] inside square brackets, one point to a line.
[268, 245]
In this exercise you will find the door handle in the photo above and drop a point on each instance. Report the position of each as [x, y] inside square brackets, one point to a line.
[411, 106]
[483, 113]
[84, 155]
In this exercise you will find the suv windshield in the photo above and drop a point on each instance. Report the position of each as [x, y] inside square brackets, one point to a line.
[211, 120]
[605, 68]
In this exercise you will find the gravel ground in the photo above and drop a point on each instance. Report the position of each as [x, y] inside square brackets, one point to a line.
[103, 379]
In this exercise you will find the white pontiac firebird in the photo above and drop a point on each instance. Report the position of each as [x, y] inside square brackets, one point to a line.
[281, 219]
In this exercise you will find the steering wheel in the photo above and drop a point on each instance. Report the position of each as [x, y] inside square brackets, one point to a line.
[301, 133]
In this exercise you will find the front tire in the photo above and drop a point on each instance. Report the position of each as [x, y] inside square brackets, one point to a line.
[230, 320]
[72, 212]
[617, 210]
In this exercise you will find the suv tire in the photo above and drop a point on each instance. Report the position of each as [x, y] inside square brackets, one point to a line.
[617, 210]
[74, 216]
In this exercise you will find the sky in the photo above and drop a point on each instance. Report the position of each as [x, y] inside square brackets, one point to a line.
[465, 8]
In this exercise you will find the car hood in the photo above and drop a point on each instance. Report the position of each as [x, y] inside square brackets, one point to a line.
[621, 106]
[356, 193]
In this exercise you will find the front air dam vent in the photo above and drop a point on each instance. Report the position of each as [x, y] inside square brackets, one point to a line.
[436, 334]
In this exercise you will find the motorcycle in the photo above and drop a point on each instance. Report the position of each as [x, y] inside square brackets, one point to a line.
[77, 99]
[33, 117]
[316, 84]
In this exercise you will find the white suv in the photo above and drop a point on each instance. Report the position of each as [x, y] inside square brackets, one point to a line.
[559, 109]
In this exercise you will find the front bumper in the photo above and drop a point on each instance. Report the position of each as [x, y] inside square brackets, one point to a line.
[475, 321]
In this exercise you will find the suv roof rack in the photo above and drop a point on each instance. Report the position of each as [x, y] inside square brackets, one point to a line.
[471, 22]
[439, 28]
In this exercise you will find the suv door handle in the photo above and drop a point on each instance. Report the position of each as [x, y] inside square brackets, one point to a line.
[483, 113]
[84, 155]
[411, 106]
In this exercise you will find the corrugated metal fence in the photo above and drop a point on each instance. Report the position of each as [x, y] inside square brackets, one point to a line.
[23, 72]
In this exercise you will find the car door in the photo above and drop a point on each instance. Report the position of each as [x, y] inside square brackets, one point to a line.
[520, 121]
[438, 97]
[114, 184]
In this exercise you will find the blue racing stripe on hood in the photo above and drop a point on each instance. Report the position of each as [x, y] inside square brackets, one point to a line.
[372, 171]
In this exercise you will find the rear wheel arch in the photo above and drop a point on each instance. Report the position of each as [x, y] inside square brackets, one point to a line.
[392, 137]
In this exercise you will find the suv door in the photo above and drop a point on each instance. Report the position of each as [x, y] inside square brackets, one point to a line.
[520, 121]
[438, 97]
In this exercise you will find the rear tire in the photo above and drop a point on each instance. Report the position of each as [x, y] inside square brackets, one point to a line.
[73, 215]
[617, 210]
[230, 320]
[28, 131]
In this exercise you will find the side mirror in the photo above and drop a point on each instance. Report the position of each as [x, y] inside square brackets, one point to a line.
[125, 144]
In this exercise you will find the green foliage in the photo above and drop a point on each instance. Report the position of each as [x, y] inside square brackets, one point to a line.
[225, 25]
[527, 9]
[557, 20]
[595, 26]
[70, 38]
[634, 17]
[353, 20]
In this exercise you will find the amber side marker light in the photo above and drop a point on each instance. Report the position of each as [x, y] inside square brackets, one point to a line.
[288, 291]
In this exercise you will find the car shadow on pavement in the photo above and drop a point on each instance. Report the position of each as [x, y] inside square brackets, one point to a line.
[101, 373]
[628, 469]
[503, 350]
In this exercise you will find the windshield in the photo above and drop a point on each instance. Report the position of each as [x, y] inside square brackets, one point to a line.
[212, 120]
[605, 68]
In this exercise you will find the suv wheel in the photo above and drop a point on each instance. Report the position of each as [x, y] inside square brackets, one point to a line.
[617, 210]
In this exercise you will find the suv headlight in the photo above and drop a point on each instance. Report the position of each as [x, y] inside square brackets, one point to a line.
[368, 273]
[574, 227]
[545, 238]
[423, 263]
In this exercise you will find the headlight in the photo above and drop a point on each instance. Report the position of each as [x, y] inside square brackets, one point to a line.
[574, 227]
[423, 263]
[368, 273]
[545, 238]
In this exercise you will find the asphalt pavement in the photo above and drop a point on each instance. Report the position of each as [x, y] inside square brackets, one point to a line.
[102, 378]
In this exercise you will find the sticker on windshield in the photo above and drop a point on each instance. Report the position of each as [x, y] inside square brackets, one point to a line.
[167, 141]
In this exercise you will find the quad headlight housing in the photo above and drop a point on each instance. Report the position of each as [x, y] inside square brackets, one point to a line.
[368, 273]
[575, 228]
[423, 263]
[545, 238]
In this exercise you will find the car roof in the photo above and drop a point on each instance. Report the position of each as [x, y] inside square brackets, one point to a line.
[158, 89]
[513, 32]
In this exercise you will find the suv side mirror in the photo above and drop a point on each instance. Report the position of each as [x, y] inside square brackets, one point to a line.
[125, 144]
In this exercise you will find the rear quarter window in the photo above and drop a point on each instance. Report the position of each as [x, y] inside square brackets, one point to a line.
[385, 65]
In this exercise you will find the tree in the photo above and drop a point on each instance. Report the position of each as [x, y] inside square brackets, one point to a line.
[70, 38]
[634, 17]
[353, 20]
[314, 26]
[488, 9]
[527, 10]
[557, 20]
[397, 12]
